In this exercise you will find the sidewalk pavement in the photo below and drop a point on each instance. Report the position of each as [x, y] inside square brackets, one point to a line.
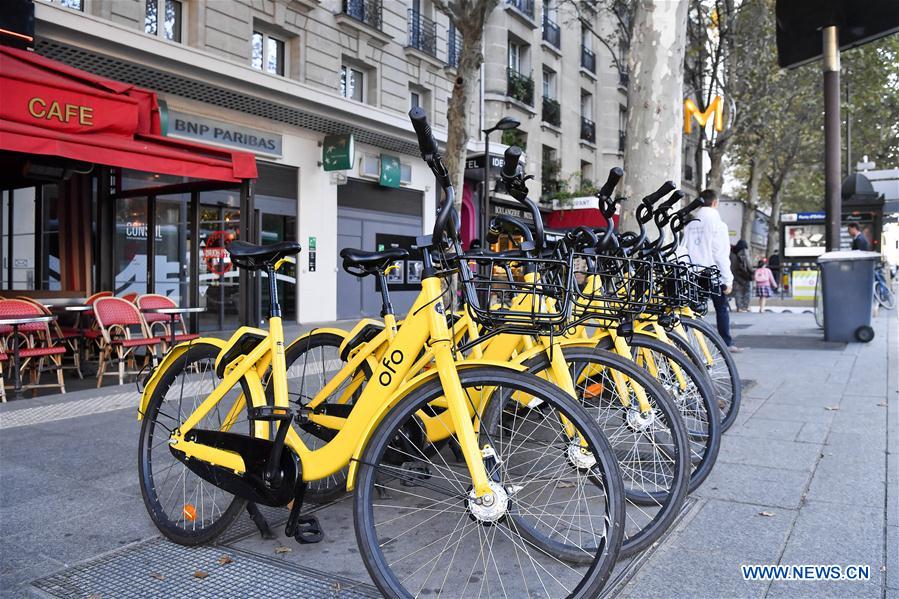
[807, 475]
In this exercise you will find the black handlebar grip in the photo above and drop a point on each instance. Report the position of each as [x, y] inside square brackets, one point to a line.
[611, 182]
[666, 188]
[675, 197]
[492, 235]
[510, 161]
[426, 142]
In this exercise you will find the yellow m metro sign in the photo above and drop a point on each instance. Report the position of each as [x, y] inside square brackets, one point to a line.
[692, 111]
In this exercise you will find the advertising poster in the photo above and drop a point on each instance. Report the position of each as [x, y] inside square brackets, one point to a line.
[407, 275]
[804, 284]
[804, 240]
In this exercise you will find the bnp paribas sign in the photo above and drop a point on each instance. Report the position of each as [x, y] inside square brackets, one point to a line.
[202, 128]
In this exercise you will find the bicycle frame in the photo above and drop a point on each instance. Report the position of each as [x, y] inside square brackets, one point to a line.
[426, 323]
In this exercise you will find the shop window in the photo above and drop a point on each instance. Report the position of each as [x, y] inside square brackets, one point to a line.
[267, 53]
[419, 96]
[405, 173]
[352, 83]
[164, 18]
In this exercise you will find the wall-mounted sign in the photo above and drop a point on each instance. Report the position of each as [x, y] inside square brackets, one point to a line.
[201, 128]
[311, 253]
[338, 152]
[691, 111]
[390, 171]
[406, 274]
[802, 217]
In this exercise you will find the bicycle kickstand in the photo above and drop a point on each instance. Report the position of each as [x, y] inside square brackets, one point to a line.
[260, 521]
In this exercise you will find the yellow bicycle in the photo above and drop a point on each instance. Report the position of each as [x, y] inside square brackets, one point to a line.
[536, 483]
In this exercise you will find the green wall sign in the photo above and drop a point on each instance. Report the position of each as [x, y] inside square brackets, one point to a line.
[338, 152]
[390, 171]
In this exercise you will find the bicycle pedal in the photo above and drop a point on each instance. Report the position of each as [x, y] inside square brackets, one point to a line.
[308, 530]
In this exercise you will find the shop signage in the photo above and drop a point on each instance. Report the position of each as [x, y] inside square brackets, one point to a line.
[582, 203]
[338, 152]
[201, 128]
[804, 282]
[802, 216]
[390, 171]
[497, 209]
[311, 253]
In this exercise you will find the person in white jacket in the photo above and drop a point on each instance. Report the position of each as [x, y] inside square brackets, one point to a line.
[707, 243]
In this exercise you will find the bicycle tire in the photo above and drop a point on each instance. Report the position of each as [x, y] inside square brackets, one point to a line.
[334, 486]
[722, 372]
[164, 518]
[505, 535]
[884, 296]
[696, 404]
[638, 533]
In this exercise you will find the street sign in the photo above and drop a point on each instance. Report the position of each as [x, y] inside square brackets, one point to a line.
[390, 171]
[338, 152]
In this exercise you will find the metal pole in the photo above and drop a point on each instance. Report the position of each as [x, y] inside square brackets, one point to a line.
[833, 201]
[485, 204]
[848, 128]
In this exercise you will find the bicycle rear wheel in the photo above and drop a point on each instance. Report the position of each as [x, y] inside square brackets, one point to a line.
[722, 370]
[884, 295]
[420, 531]
[186, 508]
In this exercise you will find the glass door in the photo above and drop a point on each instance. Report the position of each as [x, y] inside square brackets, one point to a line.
[172, 248]
[275, 228]
[131, 246]
[219, 289]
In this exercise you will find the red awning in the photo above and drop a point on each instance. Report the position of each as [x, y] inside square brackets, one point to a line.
[52, 109]
[571, 219]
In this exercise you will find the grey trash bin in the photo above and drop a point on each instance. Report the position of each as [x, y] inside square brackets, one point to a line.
[848, 294]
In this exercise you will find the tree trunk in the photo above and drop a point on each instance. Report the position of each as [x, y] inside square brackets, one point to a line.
[774, 221]
[465, 89]
[655, 117]
[752, 199]
[716, 165]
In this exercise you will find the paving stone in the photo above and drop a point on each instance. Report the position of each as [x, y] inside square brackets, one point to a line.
[771, 453]
[849, 477]
[892, 574]
[797, 411]
[766, 428]
[813, 432]
[761, 538]
[856, 537]
[756, 485]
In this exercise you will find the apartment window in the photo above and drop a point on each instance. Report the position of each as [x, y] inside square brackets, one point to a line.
[586, 105]
[164, 18]
[414, 100]
[267, 53]
[73, 4]
[586, 175]
[549, 83]
[352, 83]
[516, 56]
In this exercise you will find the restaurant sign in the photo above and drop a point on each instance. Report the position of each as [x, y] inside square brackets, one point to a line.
[201, 128]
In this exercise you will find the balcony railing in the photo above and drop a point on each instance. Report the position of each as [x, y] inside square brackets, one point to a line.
[365, 11]
[520, 87]
[453, 47]
[523, 6]
[551, 32]
[422, 33]
[552, 111]
[588, 130]
[588, 59]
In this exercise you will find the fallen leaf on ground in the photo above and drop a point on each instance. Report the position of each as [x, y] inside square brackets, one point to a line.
[94, 596]
[882, 404]
[766, 514]
[283, 549]
[157, 575]
[564, 485]
[200, 574]
[832, 408]
[225, 559]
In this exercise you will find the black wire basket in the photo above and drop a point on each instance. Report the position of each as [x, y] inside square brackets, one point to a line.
[514, 294]
[671, 287]
[703, 282]
[610, 288]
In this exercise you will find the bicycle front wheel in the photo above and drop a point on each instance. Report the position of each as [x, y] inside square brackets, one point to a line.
[421, 531]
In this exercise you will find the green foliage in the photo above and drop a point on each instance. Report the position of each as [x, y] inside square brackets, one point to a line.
[516, 137]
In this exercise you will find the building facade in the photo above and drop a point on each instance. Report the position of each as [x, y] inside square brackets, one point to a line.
[289, 79]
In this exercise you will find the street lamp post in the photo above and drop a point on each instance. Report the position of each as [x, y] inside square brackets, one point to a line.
[503, 124]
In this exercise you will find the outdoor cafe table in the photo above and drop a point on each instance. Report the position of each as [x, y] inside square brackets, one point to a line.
[15, 322]
[173, 314]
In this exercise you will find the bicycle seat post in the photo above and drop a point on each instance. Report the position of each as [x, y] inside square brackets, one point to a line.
[386, 306]
[274, 306]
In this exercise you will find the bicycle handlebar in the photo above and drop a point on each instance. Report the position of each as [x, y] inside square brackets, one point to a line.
[666, 188]
[510, 161]
[612, 180]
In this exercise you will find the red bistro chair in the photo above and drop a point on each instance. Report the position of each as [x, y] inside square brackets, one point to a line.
[122, 330]
[130, 297]
[2, 378]
[67, 337]
[36, 345]
[163, 321]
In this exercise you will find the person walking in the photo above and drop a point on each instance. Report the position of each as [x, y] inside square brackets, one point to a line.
[859, 241]
[706, 242]
[764, 283]
[774, 263]
[742, 271]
